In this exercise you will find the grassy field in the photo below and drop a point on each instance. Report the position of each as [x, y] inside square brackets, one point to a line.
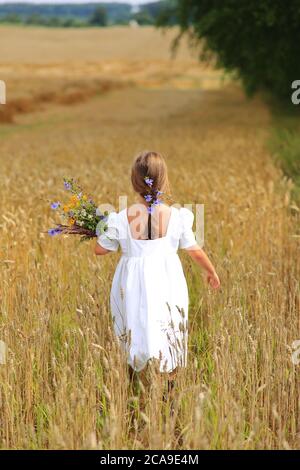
[64, 384]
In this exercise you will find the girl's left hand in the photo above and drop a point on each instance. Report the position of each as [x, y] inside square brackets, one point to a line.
[213, 280]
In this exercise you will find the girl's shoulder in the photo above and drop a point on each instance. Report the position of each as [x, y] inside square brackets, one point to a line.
[115, 218]
[183, 214]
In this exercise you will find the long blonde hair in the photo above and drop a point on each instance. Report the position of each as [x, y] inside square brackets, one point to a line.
[153, 165]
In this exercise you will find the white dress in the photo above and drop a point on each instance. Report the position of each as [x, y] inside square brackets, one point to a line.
[149, 295]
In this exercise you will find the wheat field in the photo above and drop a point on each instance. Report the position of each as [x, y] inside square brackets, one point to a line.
[82, 103]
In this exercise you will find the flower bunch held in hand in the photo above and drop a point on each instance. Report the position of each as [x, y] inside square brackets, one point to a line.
[80, 214]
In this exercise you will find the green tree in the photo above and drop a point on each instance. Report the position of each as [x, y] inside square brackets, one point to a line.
[53, 21]
[256, 40]
[33, 19]
[99, 17]
[11, 18]
[143, 18]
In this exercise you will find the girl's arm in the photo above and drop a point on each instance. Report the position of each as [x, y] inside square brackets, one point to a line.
[201, 258]
[100, 251]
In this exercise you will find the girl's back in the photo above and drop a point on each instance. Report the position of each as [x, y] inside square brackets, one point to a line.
[138, 219]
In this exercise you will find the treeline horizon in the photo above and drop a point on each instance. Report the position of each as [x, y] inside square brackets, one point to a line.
[79, 15]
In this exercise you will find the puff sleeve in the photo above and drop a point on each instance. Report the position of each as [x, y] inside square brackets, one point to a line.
[187, 237]
[110, 238]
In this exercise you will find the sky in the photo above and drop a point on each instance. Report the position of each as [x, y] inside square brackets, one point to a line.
[133, 2]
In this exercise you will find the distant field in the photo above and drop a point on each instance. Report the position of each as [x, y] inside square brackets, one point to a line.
[43, 45]
[42, 66]
[64, 384]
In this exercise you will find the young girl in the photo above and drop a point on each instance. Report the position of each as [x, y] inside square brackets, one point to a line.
[149, 296]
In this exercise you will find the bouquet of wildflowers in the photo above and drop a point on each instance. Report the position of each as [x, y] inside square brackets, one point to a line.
[80, 214]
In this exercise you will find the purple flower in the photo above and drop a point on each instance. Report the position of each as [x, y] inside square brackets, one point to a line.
[159, 193]
[150, 209]
[156, 202]
[148, 181]
[67, 185]
[54, 231]
[55, 205]
[148, 198]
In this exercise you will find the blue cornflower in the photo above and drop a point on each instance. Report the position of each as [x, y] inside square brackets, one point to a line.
[148, 198]
[55, 205]
[157, 202]
[67, 185]
[148, 181]
[54, 231]
[150, 209]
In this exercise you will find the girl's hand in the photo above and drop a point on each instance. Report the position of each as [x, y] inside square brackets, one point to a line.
[213, 280]
[201, 258]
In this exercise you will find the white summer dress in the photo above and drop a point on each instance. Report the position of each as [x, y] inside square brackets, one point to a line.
[149, 295]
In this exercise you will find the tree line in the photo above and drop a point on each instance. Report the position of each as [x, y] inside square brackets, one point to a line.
[79, 15]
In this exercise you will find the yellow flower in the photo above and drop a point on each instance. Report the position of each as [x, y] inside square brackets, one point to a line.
[73, 202]
[84, 198]
[71, 221]
[66, 208]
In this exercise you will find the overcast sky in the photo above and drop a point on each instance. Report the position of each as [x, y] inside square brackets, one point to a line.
[133, 2]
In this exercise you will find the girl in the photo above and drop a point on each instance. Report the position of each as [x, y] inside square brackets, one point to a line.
[149, 296]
